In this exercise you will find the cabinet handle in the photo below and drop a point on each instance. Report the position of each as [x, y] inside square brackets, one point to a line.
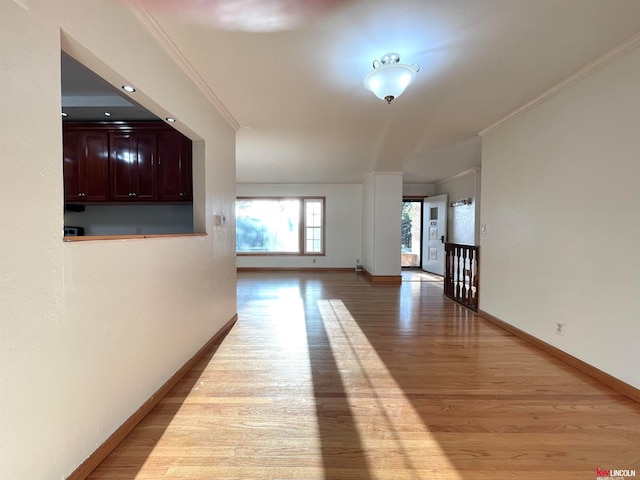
[134, 194]
[181, 194]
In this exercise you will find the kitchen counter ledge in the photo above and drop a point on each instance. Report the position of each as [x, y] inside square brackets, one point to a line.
[88, 238]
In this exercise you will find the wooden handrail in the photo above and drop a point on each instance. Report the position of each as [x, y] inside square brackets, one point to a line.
[461, 279]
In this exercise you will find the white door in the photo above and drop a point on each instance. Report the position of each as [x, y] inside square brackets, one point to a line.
[434, 233]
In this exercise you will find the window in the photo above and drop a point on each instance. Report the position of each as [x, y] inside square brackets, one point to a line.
[280, 226]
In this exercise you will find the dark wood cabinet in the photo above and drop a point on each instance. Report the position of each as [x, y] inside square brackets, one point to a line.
[174, 167]
[132, 162]
[86, 165]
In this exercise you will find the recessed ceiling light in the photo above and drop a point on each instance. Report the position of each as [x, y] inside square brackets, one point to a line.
[128, 88]
[65, 114]
[170, 120]
[107, 114]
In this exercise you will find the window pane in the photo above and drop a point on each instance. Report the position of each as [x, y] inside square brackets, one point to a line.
[313, 213]
[314, 246]
[311, 233]
[313, 240]
[267, 226]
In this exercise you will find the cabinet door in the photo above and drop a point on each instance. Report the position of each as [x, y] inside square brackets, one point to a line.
[133, 166]
[174, 179]
[71, 154]
[86, 167]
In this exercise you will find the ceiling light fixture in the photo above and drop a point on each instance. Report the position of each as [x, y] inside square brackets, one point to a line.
[128, 88]
[389, 78]
[170, 120]
[107, 114]
[65, 114]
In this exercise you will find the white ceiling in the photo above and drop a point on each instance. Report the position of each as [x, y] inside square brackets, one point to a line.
[297, 94]
[86, 97]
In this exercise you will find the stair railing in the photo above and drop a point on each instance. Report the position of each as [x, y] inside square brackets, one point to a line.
[461, 280]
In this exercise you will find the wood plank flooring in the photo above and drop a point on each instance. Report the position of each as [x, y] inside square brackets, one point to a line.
[325, 376]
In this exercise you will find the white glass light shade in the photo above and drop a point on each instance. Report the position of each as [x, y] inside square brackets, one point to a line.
[388, 80]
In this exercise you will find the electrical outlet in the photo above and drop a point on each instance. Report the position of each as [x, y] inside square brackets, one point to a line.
[314, 260]
[560, 328]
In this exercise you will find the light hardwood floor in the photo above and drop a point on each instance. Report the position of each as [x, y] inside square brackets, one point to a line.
[325, 376]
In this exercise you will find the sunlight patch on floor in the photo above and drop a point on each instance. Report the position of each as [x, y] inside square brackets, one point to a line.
[389, 414]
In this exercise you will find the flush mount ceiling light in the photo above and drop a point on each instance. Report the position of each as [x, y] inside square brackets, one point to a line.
[128, 88]
[170, 119]
[389, 78]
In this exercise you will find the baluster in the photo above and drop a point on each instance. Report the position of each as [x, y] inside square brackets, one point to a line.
[452, 285]
[457, 294]
[471, 270]
[476, 282]
[453, 272]
[461, 275]
[464, 274]
[447, 268]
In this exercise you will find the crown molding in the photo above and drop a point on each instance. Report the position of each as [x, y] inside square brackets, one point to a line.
[156, 31]
[458, 175]
[391, 172]
[590, 68]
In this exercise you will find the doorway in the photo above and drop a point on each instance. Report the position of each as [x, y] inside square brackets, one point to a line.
[411, 246]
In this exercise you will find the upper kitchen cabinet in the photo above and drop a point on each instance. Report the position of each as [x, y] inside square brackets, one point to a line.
[174, 167]
[86, 165]
[133, 161]
[144, 162]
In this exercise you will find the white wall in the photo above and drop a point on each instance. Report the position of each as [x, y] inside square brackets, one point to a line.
[418, 190]
[368, 223]
[90, 330]
[382, 223]
[343, 206]
[561, 202]
[461, 220]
